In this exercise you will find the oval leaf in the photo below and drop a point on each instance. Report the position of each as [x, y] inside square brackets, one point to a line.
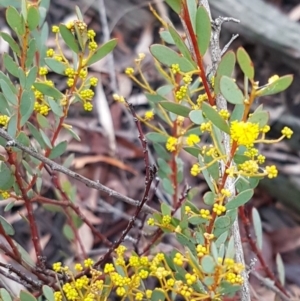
[225, 67]
[167, 57]
[215, 118]
[241, 199]
[208, 264]
[26, 296]
[277, 86]
[257, 228]
[175, 108]
[231, 91]
[8, 228]
[245, 63]
[33, 17]
[261, 117]
[56, 66]
[196, 116]
[11, 42]
[102, 51]
[203, 29]
[48, 90]
[58, 150]
[69, 38]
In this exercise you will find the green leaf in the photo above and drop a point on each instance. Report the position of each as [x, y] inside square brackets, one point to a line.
[69, 38]
[8, 228]
[231, 91]
[175, 108]
[45, 138]
[192, 151]
[159, 149]
[15, 20]
[203, 29]
[213, 169]
[23, 138]
[9, 206]
[241, 199]
[230, 248]
[158, 295]
[48, 90]
[280, 269]
[209, 198]
[155, 98]
[26, 106]
[205, 173]
[277, 86]
[43, 121]
[102, 51]
[58, 150]
[166, 37]
[56, 66]
[48, 293]
[68, 232]
[168, 186]
[180, 43]
[22, 77]
[237, 113]
[164, 90]
[215, 118]
[165, 209]
[31, 77]
[261, 117]
[8, 93]
[12, 125]
[55, 107]
[167, 57]
[33, 17]
[208, 264]
[192, 9]
[36, 134]
[30, 53]
[157, 137]
[221, 239]
[5, 296]
[4, 107]
[11, 42]
[257, 228]
[222, 222]
[175, 5]
[164, 166]
[225, 67]
[10, 65]
[26, 296]
[245, 62]
[196, 116]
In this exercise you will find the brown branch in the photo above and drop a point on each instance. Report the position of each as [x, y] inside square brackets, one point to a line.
[72, 174]
[150, 173]
[32, 223]
[198, 58]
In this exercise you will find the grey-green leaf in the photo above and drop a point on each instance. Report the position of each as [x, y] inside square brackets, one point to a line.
[203, 29]
[241, 199]
[69, 38]
[102, 51]
[231, 91]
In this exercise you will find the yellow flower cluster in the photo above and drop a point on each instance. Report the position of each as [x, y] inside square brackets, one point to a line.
[192, 139]
[5, 194]
[4, 120]
[219, 209]
[244, 133]
[181, 93]
[195, 170]
[171, 144]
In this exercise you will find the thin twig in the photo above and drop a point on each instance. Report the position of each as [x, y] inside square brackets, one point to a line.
[150, 173]
[270, 285]
[72, 174]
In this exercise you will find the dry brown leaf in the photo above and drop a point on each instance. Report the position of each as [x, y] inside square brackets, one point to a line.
[80, 162]
[86, 236]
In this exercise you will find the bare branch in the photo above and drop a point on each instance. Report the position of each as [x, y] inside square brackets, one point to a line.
[72, 174]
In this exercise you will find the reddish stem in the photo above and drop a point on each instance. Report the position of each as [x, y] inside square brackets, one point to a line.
[193, 38]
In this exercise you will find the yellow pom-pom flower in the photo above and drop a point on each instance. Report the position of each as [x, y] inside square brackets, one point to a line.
[244, 133]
